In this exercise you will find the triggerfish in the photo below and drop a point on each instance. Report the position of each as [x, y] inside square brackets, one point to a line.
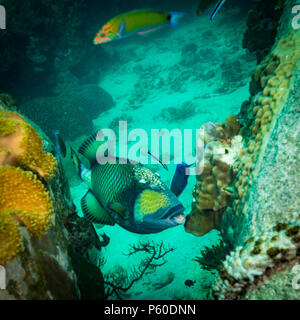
[136, 22]
[129, 195]
[204, 5]
[180, 179]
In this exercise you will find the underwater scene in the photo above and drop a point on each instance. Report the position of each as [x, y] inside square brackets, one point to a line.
[149, 150]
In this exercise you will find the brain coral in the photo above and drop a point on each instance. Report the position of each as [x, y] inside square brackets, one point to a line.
[247, 262]
[21, 145]
[24, 201]
[213, 191]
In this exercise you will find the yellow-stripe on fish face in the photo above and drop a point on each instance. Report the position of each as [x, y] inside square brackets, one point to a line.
[149, 202]
[131, 22]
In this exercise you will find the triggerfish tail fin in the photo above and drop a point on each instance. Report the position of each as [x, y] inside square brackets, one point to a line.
[216, 9]
[77, 163]
[180, 179]
[89, 148]
[175, 17]
[60, 144]
[93, 211]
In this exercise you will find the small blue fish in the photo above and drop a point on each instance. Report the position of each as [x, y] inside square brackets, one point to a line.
[180, 179]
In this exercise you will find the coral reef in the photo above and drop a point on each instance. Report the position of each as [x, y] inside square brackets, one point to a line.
[171, 114]
[21, 145]
[89, 277]
[213, 191]
[189, 55]
[40, 232]
[201, 222]
[243, 267]
[24, 201]
[212, 258]
[262, 224]
[6, 100]
[71, 111]
[262, 26]
[275, 77]
[233, 76]
[52, 37]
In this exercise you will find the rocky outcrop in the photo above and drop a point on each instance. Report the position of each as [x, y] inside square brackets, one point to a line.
[43, 243]
[262, 24]
[263, 223]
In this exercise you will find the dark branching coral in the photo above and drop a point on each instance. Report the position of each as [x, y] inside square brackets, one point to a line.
[233, 76]
[120, 281]
[212, 258]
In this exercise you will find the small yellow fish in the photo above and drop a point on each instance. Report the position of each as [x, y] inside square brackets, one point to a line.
[136, 22]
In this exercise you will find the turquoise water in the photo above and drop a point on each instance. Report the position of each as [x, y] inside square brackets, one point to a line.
[179, 78]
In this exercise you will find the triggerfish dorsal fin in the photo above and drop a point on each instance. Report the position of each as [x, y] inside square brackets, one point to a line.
[216, 9]
[89, 148]
[93, 211]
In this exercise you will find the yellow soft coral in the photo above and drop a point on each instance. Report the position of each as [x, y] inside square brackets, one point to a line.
[21, 145]
[24, 201]
[9, 238]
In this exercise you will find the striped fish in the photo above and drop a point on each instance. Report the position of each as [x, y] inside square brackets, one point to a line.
[135, 22]
[130, 194]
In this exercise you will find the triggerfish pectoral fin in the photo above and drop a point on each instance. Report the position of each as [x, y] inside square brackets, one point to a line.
[216, 9]
[93, 211]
